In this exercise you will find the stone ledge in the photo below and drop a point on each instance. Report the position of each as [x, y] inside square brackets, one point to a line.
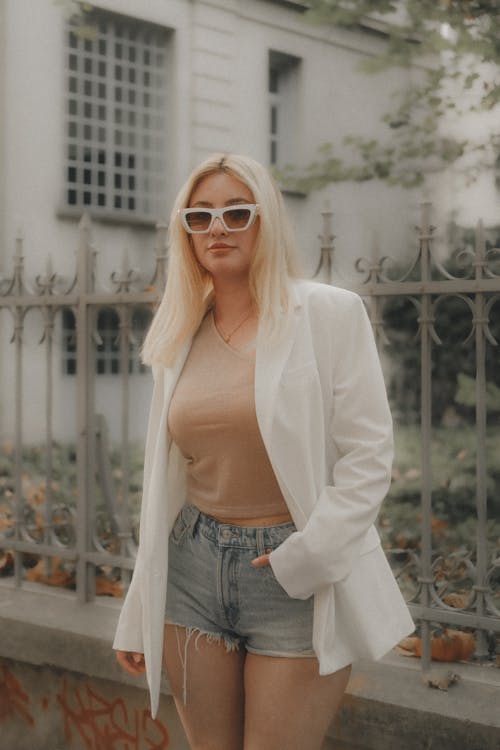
[387, 705]
[52, 628]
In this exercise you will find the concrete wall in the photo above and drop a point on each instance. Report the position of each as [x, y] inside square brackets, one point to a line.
[51, 709]
[62, 689]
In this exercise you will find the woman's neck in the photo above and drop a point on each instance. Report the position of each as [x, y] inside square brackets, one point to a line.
[235, 314]
[232, 300]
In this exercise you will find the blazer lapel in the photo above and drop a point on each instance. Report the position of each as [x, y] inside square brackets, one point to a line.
[271, 356]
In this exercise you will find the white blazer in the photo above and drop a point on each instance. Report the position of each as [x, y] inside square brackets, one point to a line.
[322, 410]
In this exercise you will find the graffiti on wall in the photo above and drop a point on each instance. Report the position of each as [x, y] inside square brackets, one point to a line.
[89, 718]
[14, 701]
[108, 724]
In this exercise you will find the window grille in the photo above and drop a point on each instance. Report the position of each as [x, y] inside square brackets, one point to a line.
[68, 342]
[283, 106]
[107, 341]
[107, 358]
[274, 106]
[115, 118]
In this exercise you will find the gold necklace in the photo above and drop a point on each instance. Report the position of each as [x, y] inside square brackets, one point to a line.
[228, 336]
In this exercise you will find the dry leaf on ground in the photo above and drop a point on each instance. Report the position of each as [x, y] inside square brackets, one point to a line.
[451, 645]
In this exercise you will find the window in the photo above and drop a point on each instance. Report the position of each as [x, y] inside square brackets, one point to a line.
[68, 342]
[115, 118]
[283, 107]
[107, 341]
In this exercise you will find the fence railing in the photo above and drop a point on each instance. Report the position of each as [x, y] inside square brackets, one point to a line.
[462, 588]
[93, 536]
[95, 531]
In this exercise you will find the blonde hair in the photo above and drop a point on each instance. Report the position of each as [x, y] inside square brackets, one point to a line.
[189, 289]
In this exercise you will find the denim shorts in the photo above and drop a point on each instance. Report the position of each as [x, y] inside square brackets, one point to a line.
[214, 590]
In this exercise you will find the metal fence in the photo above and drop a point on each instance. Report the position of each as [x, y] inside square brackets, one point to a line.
[462, 588]
[96, 531]
[95, 537]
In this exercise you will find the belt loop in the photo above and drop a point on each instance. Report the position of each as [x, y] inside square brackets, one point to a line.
[260, 539]
[195, 515]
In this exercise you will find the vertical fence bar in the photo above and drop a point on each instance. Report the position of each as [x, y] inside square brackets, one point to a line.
[161, 252]
[17, 339]
[123, 526]
[480, 322]
[48, 335]
[84, 428]
[425, 321]
[18, 441]
[327, 238]
[377, 320]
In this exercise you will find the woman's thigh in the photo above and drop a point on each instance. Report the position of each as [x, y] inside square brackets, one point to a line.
[206, 680]
[288, 705]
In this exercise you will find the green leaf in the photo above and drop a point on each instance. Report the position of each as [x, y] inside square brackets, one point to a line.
[466, 393]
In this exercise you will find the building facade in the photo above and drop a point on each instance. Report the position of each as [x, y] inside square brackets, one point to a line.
[110, 120]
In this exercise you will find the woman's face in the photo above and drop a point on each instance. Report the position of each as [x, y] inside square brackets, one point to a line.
[221, 252]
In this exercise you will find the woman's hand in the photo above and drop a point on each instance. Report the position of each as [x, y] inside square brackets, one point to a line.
[131, 661]
[261, 562]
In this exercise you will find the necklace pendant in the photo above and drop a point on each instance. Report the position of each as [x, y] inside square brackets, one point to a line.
[227, 336]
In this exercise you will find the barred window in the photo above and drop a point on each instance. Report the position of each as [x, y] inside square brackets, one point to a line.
[115, 118]
[107, 360]
[68, 342]
[283, 106]
[107, 341]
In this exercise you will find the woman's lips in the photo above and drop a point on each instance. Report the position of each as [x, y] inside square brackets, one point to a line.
[219, 247]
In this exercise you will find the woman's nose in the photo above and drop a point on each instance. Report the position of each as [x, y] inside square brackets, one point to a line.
[217, 226]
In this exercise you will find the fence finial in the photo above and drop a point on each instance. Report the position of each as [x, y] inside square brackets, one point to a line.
[85, 222]
[324, 269]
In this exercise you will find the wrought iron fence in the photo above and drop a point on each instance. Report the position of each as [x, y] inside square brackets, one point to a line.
[461, 587]
[96, 533]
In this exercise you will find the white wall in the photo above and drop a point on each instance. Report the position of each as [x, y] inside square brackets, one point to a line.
[33, 121]
[217, 101]
[335, 99]
[220, 54]
[456, 196]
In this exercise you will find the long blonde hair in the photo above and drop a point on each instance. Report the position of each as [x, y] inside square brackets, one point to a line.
[189, 289]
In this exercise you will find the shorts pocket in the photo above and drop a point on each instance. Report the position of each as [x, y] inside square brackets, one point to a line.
[179, 529]
[278, 535]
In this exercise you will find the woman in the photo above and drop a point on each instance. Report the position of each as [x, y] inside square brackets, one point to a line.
[268, 455]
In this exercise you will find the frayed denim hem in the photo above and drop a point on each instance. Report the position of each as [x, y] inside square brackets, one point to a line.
[231, 644]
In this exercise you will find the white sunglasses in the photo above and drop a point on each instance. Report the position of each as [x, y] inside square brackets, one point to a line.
[235, 218]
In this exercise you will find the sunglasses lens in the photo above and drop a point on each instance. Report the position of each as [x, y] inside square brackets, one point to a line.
[198, 221]
[237, 218]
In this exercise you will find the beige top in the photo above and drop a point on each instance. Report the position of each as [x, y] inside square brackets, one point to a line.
[213, 421]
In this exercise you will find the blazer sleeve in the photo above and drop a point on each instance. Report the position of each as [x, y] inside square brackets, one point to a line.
[360, 436]
[128, 636]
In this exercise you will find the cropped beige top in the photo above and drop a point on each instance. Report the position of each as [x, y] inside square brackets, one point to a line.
[213, 421]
